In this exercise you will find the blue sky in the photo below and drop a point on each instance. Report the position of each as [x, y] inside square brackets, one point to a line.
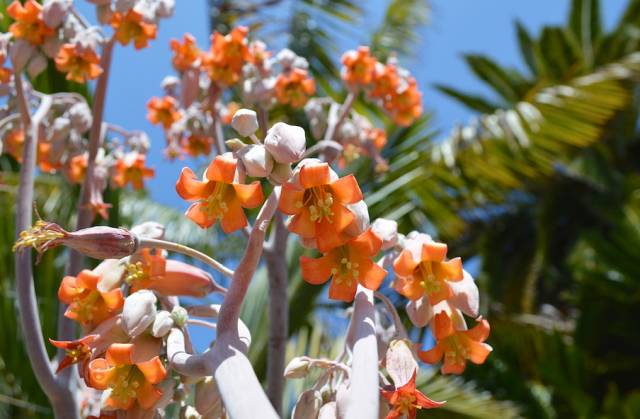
[456, 27]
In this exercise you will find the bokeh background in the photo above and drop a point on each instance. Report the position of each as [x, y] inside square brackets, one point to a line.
[526, 163]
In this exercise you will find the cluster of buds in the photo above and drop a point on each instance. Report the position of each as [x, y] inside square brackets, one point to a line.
[389, 85]
[191, 106]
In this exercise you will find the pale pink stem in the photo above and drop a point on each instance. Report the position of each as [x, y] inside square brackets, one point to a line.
[363, 395]
[334, 124]
[61, 396]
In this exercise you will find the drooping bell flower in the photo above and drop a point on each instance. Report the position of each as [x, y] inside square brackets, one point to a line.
[197, 145]
[29, 24]
[385, 81]
[185, 54]
[77, 168]
[227, 56]
[405, 105]
[348, 265]
[87, 304]
[318, 205]
[219, 196]
[132, 27]
[77, 351]
[406, 400]
[358, 66]
[163, 111]
[131, 169]
[457, 346]
[423, 271]
[168, 277]
[294, 88]
[80, 64]
[130, 378]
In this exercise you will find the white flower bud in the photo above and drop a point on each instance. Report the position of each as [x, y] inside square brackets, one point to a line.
[54, 12]
[286, 58]
[80, 117]
[387, 230]
[308, 405]
[286, 143]
[245, 122]
[139, 312]
[162, 324]
[179, 315]
[165, 8]
[149, 229]
[51, 46]
[21, 51]
[361, 221]
[59, 129]
[328, 411]
[298, 367]
[257, 161]
[420, 311]
[170, 84]
[37, 65]
[400, 362]
[280, 174]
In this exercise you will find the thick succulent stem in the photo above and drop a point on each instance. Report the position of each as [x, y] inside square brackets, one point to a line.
[61, 397]
[276, 260]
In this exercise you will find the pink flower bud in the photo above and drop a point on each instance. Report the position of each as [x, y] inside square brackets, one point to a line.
[286, 143]
[298, 367]
[54, 12]
[185, 280]
[387, 230]
[99, 242]
[400, 362]
[21, 52]
[245, 122]
[139, 312]
[420, 312]
[37, 64]
[256, 160]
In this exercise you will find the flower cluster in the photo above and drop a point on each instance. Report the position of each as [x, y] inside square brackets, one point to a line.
[192, 104]
[123, 348]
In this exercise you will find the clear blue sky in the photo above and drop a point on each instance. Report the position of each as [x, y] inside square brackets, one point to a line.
[456, 27]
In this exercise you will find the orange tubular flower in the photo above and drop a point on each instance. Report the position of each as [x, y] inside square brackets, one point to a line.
[29, 24]
[457, 345]
[167, 277]
[88, 305]
[318, 205]
[429, 275]
[228, 54]
[163, 111]
[78, 168]
[294, 88]
[80, 64]
[78, 350]
[406, 106]
[349, 265]
[186, 54]
[385, 81]
[358, 66]
[132, 170]
[129, 381]
[406, 400]
[197, 145]
[132, 27]
[219, 196]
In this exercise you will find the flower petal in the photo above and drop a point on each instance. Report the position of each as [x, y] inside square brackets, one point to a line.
[346, 190]
[100, 374]
[197, 213]
[479, 332]
[148, 395]
[314, 175]
[317, 271]
[344, 291]
[153, 370]
[465, 295]
[367, 243]
[409, 287]
[404, 264]
[434, 251]
[442, 326]
[113, 300]
[189, 187]
[234, 219]
[120, 354]
[222, 169]
[249, 196]
[478, 352]
[425, 402]
[431, 356]
[371, 275]
[289, 197]
[302, 225]
[450, 270]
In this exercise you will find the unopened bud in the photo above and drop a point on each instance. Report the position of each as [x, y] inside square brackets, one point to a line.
[298, 367]
[80, 117]
[37, 65]
[179, 315]
[99, 242]
[21, 52]
[256, 160]
[235, 144]
[400, 361]
[162, 324]
[387, 230]
[149, 230]
[165, 8]
[139, 312]
[245, 122]
[54, 12]
[207, 398]
[285, 142]
[308, 405]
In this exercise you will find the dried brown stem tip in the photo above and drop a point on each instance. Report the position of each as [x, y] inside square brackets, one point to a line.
[97, 242]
